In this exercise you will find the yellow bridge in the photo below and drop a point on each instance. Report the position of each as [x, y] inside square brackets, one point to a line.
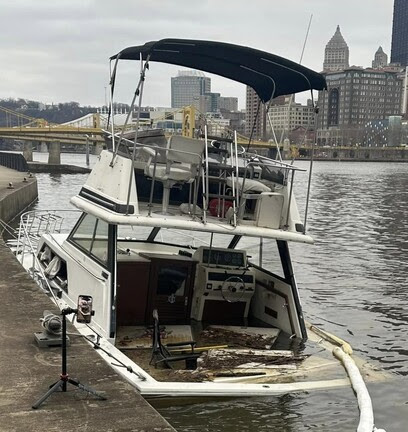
[39, 130]
[89, 130]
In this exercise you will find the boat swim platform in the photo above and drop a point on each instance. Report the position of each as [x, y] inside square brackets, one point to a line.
[27, 370]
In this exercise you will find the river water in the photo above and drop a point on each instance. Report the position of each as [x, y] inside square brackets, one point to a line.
[353, 282]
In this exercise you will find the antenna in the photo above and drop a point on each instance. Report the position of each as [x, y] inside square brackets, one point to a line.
[306, 37]
[291, 96]
[313, 142]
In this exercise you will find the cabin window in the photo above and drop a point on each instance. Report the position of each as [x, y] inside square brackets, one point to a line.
[91, 236]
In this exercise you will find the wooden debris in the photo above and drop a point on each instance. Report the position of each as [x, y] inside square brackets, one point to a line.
[251, 359]
[218, 336]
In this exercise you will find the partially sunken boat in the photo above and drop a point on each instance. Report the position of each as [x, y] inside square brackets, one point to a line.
[181, 309]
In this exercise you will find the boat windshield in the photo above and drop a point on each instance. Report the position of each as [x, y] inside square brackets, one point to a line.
[91, 236]
[268, 258]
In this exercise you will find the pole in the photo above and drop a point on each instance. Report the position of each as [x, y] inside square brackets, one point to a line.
[139, 93]
[64, 353]
[404, 102]
[87, 151]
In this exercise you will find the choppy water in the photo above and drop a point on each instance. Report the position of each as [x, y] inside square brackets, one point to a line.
[353, 282]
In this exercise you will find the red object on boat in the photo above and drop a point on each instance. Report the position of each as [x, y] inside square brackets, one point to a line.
[219, 207]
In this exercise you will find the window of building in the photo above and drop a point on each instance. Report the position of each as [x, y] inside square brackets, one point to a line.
[333, 112]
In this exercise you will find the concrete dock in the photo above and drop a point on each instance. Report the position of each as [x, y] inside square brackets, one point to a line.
[27, 371]
[22, 193]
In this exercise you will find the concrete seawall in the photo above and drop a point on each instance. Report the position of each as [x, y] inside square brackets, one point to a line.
[39, 167]
[15, 200]
[27, 371]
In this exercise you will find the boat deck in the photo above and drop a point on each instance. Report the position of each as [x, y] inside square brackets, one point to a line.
[230, 353]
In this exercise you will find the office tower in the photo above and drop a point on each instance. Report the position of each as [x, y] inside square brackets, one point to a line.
[290, 116]
[353, 98]
[228, 103]
[187, 86]
[336, 54]
[255, 115]
[380, 59]
[399, 44]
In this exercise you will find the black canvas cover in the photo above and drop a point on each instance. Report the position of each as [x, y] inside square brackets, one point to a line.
[269, 75]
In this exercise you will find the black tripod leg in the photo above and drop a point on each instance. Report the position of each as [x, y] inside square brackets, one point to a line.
[86, 388]
[53, 389]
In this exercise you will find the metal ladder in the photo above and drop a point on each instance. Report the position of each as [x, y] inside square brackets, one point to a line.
[228, 168]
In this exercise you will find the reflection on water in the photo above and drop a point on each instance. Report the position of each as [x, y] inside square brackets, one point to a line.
[353, 282]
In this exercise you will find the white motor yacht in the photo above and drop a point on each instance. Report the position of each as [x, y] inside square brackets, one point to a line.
[183, 245]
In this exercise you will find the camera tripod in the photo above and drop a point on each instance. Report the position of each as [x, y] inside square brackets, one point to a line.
[64, 377]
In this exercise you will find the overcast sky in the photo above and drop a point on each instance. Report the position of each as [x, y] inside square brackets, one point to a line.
[58, 50]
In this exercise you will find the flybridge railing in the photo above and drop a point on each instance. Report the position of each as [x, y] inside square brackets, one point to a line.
[233, 168]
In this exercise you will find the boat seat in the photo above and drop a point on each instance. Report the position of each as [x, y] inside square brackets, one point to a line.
[249, 189]
[183, 161]
[161, 354]
[179, 173]
[249, 185]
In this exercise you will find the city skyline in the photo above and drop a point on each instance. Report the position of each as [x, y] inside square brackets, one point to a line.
[58, 51]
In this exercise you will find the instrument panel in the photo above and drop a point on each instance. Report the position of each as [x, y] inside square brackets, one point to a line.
[221, 257]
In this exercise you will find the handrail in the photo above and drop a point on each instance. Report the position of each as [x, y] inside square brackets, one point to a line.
[206, 181]
[26, 236]
[156, 150]
[274, 162]
[37, 262]
[8, 228]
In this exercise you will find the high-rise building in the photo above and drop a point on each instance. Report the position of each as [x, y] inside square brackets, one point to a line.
[289, 117]
[353, 98]
[207, 102]
[256, 121]
[187, 86]
[255, 115]
[336, 54]
[399, 44]
[228, 103]
[380, 59]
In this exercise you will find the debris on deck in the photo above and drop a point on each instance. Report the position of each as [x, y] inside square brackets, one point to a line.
[257, 338]
[249, 359]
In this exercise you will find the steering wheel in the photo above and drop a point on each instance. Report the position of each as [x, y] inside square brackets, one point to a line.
[232, 289]
[241, 149]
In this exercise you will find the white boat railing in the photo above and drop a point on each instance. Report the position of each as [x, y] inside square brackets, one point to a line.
[33, 225]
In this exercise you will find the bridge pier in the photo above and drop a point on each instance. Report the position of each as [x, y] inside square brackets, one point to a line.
[43, 147]
[97, 149]
[54, 156]
[28, 151]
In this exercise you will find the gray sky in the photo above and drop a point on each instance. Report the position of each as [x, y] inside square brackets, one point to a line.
[58, 50]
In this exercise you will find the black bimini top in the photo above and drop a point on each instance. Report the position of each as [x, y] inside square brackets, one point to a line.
[269, 75]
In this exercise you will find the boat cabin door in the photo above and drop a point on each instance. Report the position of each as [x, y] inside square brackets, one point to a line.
[170, 287]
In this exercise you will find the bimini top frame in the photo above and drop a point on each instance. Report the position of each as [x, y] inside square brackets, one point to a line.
[269, 75]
